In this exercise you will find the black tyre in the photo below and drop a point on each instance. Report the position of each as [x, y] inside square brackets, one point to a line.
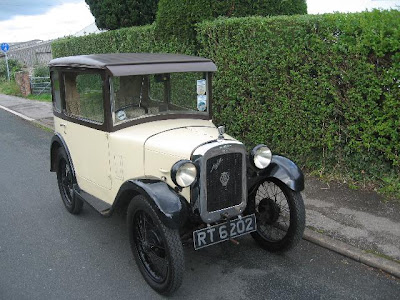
[66, 179]
[157, 249]
[280, 216]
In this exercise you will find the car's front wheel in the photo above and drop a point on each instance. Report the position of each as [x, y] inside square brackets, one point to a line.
[280, 216]
[157, 249]
[66, 180]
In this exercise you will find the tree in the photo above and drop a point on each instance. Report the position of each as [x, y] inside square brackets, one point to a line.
[114, 14]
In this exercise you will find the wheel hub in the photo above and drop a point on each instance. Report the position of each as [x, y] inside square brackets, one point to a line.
[269, 211]
[153, 243]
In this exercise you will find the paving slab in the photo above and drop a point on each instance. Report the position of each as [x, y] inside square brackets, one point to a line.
[31, 108]
[361, 218]
[47, 122]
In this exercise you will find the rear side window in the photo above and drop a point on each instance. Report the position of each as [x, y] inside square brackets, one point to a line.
[84, 96]
[56, 91]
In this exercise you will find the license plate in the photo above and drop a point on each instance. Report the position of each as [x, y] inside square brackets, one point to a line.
[224, 231]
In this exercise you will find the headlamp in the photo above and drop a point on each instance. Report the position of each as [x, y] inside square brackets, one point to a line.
[261, 156]
[183, 173]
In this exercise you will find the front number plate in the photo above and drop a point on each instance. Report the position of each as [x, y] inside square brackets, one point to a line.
[224, 231]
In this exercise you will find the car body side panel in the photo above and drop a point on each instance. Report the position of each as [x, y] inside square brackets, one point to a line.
[127, 158]
[90, 156]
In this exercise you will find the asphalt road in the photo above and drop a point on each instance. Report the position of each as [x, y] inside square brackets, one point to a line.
[46, 253]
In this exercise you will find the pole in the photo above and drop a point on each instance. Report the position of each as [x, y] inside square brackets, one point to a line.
[8, 70]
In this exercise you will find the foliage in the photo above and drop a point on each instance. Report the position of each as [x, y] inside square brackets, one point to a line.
[14, 66]
[323, 90]
[133, 39]
[41, 97]
[9, 88]
[41, 71]
[177, 18]
[12, 88]
[241, 8]
[114, 14]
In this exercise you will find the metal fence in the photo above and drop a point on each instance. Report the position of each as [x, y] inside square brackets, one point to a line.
[40, 85]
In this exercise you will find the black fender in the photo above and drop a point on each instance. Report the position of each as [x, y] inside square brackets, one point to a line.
[57, 141]
[282, 169]
[171, 207]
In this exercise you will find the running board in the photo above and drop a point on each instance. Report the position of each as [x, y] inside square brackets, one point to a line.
[99, 205]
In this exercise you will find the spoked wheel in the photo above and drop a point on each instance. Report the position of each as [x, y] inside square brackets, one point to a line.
[157, 249]
[150, 247]
[280, 216]
[65, 179]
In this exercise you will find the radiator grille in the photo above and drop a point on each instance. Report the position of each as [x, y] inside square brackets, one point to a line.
[224, 181]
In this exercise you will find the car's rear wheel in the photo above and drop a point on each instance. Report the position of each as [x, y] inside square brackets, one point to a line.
[157, 249]
[66, 180]
[280, 216]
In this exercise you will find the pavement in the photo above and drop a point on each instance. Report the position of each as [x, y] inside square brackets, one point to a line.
[31, 110]
[358, 224]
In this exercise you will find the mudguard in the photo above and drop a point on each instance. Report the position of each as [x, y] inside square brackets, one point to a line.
[282, 169]
[170, 206]
[56, 142]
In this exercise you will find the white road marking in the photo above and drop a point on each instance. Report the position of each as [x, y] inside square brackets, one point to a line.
[16, 113]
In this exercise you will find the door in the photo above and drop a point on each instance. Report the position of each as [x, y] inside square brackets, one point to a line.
[87, 144]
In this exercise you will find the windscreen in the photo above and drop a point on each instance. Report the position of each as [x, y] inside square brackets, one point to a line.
[141, 96]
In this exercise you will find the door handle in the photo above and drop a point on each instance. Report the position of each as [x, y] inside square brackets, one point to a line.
[65, 127]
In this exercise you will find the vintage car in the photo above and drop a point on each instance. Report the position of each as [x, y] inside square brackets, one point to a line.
[135, 131]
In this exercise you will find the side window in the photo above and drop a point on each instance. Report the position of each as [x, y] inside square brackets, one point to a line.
[56, 91]
[84, 96]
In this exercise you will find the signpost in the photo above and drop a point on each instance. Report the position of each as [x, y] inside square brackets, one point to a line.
[5, 47]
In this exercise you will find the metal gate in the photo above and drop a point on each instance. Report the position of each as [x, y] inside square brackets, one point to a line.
[40, 85]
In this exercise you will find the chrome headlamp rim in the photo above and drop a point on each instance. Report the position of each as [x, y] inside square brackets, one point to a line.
[261, 156]
[184, 173]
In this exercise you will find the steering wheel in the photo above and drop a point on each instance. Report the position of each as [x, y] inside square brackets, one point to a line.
[146, 110]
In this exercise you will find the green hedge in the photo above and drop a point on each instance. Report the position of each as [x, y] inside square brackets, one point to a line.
[133, 39]
[323, 90]
[177, 18]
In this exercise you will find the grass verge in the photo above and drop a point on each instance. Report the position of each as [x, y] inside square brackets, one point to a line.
[382, 255]
[43, 127]
[388, 187]
[11, 88]
[41, 97]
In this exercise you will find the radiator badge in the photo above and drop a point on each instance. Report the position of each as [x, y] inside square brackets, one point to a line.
[216, 165]
[224, 178]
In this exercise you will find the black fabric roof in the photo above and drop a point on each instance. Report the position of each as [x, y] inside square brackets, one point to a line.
[121, 64]
[112, 59]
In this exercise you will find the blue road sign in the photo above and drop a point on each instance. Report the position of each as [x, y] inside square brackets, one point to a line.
[5, 47]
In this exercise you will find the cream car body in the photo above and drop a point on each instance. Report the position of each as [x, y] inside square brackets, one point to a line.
[135, 130]
[145, 150]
